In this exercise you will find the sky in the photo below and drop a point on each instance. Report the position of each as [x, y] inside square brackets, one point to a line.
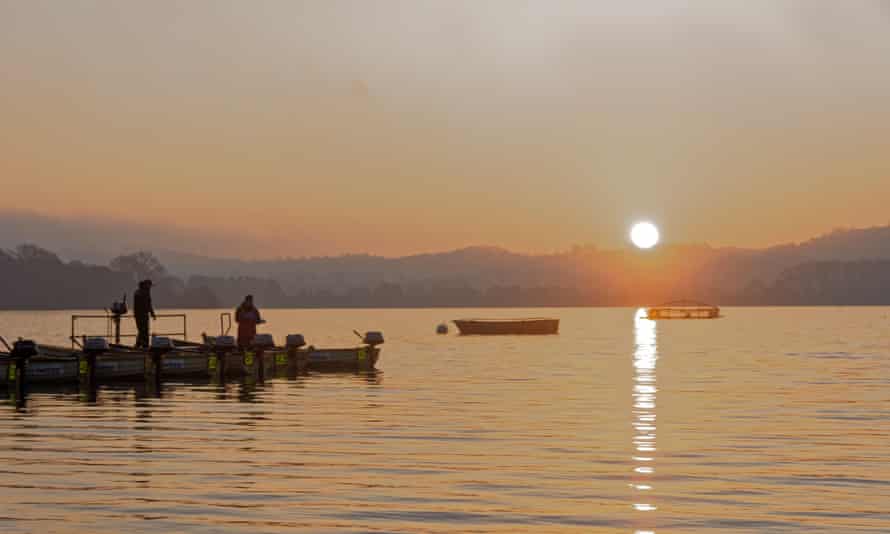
[397, 127]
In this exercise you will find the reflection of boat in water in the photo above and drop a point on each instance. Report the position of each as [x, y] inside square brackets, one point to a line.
[495, 327]
[683, 309]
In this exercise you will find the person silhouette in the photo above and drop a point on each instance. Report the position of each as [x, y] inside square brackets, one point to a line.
[248, 317]
[142, 309]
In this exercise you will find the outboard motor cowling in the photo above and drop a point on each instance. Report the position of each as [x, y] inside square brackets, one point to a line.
[162, 344]
[224, 342]
[373, 338]
[263, 340]
[294, 341]
[95, 345]
[23, 348]
[159, 347]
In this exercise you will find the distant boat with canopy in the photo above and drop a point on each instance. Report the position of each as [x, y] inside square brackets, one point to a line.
[683, 309]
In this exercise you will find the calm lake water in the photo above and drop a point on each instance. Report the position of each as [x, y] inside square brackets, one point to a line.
[769, 419]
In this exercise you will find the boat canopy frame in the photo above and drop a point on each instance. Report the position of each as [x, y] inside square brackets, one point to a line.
[113, 327]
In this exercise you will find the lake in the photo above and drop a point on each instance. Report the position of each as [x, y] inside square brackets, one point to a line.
[766, 420]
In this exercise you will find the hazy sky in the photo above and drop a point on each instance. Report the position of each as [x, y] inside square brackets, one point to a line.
[405, 126]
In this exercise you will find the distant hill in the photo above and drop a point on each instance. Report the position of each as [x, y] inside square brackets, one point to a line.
[718, 272]
[843, 267]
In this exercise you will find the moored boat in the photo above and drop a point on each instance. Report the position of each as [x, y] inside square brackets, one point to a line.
[216, 357]
[102, 358]
[494, 327]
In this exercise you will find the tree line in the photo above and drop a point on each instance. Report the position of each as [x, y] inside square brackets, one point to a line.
[35, 278]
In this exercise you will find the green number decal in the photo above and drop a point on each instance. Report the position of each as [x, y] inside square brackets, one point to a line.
[362, 354]
[281, 359]
[248, 359]
[11, 376]
[83, 367]
[211, 363]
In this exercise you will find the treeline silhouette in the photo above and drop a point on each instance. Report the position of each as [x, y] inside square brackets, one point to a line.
[34, 278]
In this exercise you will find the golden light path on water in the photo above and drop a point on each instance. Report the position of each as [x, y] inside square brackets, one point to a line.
[644, 391]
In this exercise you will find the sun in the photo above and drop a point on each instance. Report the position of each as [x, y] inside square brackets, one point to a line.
[644, 235]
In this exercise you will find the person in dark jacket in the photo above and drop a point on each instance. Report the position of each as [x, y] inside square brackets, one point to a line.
[142, 309]
[247, 316]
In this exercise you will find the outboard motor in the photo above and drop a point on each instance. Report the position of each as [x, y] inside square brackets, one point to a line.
[158, 348]
[227, 342]
[220, 346]
[263, 341]
[118, 310]
[294, 341]
[372, 339]
[22, 350]
[92, 347]
[296, 359]
[95, 345]
[161, 345]
[260, 344]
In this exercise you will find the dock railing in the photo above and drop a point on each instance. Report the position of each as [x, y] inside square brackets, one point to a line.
[113, 327]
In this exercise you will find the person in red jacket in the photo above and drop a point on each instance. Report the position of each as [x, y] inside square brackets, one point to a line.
[247, 316]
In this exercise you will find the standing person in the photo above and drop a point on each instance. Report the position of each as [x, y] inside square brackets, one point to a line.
[247, 316]
[142, 308]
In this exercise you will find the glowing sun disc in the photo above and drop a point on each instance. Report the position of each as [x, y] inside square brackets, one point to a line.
[644, 235]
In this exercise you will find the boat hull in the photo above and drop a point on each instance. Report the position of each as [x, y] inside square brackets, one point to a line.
[516, 327]
[60, 365]
[358, 358]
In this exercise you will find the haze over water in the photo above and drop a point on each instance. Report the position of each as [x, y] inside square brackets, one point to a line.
[770, 419]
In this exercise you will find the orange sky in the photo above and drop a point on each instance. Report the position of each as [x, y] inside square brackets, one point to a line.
[398, 127]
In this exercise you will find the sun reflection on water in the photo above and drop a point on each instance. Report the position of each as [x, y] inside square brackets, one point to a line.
[644, 391]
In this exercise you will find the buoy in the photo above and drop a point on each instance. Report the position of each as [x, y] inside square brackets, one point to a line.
[442, 329]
